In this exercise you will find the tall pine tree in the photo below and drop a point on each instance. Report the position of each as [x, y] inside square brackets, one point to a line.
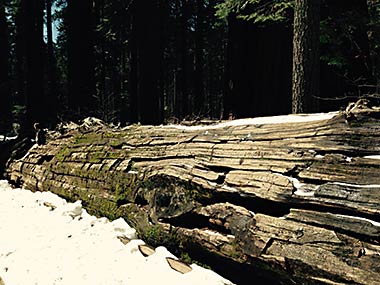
[5, 92]
[305, 86]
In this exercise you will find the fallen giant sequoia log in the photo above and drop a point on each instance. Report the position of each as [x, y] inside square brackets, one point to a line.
[286, 202]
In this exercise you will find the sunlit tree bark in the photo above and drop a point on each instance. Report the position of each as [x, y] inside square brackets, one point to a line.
[305, 83]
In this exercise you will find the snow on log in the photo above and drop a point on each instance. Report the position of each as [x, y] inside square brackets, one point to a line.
[284, 199]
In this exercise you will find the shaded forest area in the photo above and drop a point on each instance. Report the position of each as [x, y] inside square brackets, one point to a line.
[158, 61]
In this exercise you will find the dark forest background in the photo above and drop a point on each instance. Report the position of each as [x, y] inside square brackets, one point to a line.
[154, 61]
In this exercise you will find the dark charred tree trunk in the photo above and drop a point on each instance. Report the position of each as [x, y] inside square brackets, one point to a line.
[163, 13]
[125, 64]
[51, 84]
[229, 105]
[5, 95]
[120, 69]
[81, 74]
[305, 83]
[134, 67]
[150, 58]
[145, 62]
[124, 67]
[20, 51]
[199, 95]
[182, 90]
[374, 36]
[31, 56]
[106, 63]
[214, 52]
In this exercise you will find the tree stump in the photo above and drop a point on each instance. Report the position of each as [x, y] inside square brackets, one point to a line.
[286, 203]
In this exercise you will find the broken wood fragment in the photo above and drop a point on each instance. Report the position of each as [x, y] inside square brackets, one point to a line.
[178, 265]
[146, 250]
[124, 239]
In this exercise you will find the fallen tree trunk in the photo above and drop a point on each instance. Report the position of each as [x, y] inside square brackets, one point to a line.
[281, 202]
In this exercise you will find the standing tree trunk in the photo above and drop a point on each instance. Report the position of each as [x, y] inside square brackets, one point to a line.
[124, 70]
[133, 101]
[145, 63]
[36, 104]
[230, 100]
[374, 38]
[81, 73]
[20, 51]
[102, 90]
[149, 61]
[5, 95]
[305, 87]
[51, 90]
[182, 96]
[199, 96]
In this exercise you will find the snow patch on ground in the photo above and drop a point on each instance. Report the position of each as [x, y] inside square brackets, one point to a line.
[45, 240]
[300, 118]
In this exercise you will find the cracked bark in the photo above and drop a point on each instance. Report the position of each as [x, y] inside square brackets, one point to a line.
[281, 203]
[305, 77]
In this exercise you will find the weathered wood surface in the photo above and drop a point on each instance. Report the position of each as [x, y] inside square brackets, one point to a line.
[291, 203]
